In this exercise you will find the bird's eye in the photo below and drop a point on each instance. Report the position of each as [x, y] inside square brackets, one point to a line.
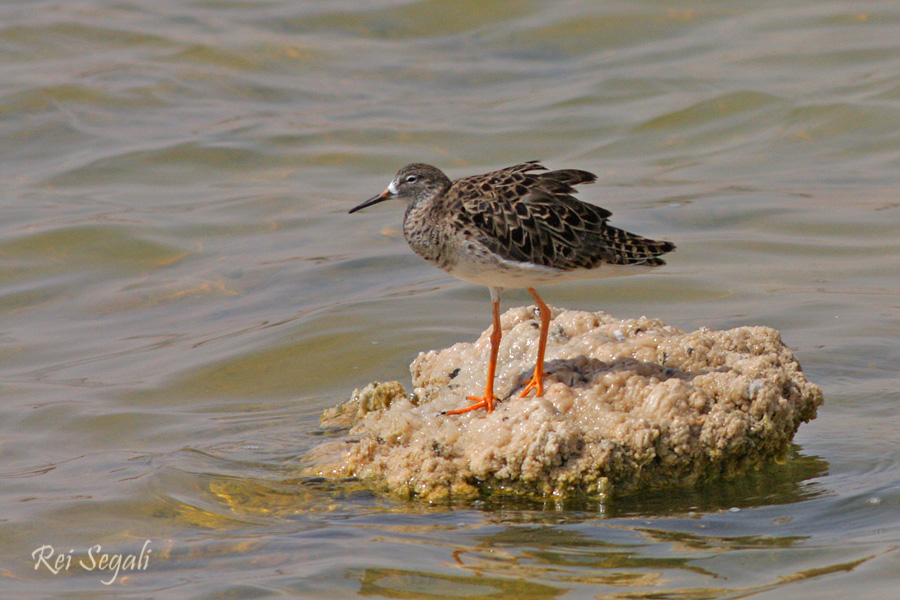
[411, 179]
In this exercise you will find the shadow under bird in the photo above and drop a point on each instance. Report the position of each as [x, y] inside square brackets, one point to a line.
[512, 228]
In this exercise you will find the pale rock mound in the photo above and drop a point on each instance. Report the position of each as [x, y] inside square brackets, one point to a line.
[627, 404]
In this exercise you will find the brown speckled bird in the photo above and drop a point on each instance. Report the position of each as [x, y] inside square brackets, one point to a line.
[516, 227]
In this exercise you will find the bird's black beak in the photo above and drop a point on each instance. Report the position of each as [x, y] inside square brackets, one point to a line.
[385, 195]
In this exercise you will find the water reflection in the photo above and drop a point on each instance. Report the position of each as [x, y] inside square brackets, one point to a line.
[399, 583]
[213, 492]
[609, 561]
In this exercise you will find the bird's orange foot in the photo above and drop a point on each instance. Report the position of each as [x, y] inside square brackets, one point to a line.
[536, 383]
[485, 402]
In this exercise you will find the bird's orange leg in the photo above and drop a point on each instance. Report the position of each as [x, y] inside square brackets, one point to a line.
[487, 401]
[537, 380]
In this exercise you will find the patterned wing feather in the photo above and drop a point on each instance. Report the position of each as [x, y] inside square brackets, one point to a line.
[532, 217]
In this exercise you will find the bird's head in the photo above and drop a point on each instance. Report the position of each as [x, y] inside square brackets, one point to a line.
[414, 182]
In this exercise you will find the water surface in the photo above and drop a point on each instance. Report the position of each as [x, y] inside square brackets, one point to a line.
[182, 292]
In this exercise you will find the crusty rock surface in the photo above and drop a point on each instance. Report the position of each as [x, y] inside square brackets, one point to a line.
[627, 404]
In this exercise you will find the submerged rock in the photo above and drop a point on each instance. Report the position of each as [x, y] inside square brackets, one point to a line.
[627, 404]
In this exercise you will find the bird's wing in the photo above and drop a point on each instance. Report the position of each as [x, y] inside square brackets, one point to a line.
[528, 216]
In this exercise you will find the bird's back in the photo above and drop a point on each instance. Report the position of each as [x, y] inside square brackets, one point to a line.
[527, 214]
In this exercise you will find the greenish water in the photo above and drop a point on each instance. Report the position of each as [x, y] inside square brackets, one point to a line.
[182, 292]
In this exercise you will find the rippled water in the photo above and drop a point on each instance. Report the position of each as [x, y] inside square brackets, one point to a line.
[182, 291]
